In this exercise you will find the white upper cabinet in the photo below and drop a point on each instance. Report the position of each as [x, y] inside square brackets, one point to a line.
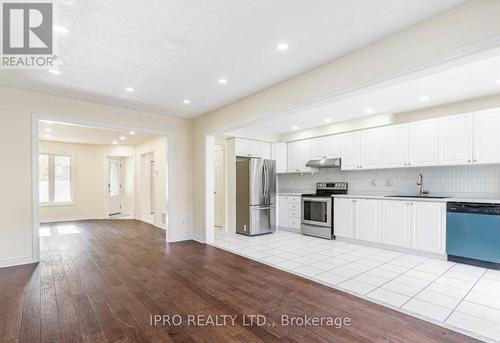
[455, 139]
[371, 149]
[326, 147]
[317, 148]
[394, 146]
[423, 143]
[487, 137]
[251, 148]
[351, 151]
[279, 154]
[299, 153]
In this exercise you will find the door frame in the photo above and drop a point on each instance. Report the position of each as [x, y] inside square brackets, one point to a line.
[36, 117]
[224, 154]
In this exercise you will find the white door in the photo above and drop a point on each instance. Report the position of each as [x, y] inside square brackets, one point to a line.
[455, 139]
[114, 187]
[428, 225]
[242, 147]
[423, 143]
[282, 210]
[220, 186]
[487, 137]
[395, 223]
[332, 146]
[367, 219]
[279, 152]
[371, 143]
[298, 154]
[344, 217]
[318, 148]
[351, 151]
[394, 146]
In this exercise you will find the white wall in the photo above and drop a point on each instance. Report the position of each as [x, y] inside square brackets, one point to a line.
[16, 209]
[89, 180]
[464, 30]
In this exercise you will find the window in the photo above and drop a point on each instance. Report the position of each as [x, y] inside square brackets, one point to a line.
[54, 179]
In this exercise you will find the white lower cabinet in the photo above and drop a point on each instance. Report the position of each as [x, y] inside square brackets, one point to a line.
[288, 211]
[367, 219]
[415, 225]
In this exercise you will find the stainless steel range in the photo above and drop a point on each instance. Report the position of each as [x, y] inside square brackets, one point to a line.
[317, 209]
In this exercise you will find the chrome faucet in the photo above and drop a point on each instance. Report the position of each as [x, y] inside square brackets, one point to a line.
[420, 183]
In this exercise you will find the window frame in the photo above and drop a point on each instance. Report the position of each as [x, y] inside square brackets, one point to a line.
[51, 181]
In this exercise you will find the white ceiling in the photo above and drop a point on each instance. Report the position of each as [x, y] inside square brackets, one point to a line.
[459, 83]
[70, 133]
[170, 50]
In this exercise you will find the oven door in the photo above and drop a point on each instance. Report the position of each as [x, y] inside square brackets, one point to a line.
[317, 211]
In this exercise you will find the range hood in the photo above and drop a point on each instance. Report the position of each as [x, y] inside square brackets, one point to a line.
[324, 163]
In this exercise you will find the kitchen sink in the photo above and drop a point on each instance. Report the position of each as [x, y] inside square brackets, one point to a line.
[416, 196]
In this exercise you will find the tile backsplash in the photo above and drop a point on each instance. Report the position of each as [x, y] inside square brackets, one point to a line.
[453, 181]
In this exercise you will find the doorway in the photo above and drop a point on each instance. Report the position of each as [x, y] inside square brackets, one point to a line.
[114, 187]
[148, 195]
[220, 187]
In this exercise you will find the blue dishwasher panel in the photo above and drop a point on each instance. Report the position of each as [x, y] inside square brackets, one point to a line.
[474, 236]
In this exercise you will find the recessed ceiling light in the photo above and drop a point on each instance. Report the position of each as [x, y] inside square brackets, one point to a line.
[424, 98]
[60, 29]
[54, 71]
[327, 120]
[48, 129]
[187, 101]
[222, 81]
[115, 142]
[132, 132]
[129, 89]
[282, 46]
[295, 127]
[122, 138]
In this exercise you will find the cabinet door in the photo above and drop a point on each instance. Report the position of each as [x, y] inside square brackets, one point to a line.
[428, 225]
[332, 146]
[279, 154]
[371, 143]
[395, 223]
[487, 137]
[282, 210]
[394, 146]
[455, 139]
[242, 147]
[423, 143]
[299, 153]
[351, 158]
[367, 219]
[344, 224]
[318, 148]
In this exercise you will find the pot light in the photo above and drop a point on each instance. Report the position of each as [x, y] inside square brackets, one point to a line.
[60, 29]
[295, 127]
[282, 46]
[115, 142]
[54, 71]
[327, 120]
[187, 101]
[424, 98]
[122, 138]
[369, 110]
[129, 89]
[48, 129]
[222, 81]
[132, 132]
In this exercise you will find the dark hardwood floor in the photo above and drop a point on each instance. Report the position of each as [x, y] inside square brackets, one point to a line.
[103, 283]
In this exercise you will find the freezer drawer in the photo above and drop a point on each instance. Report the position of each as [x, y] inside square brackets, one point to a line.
[262, 220]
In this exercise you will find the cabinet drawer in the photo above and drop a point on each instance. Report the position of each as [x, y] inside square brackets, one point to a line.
[294, 214]
[294, 223]
[293, 199]
[293, 207]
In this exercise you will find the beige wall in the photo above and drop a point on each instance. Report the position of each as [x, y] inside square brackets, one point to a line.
[464, 29]
[89, 180]
[16, 210]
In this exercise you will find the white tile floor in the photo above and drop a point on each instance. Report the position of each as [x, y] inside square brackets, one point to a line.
[461, 297]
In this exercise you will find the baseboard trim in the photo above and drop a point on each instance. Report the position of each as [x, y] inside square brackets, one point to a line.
[16, 261]
[199, 238]
[71, 219]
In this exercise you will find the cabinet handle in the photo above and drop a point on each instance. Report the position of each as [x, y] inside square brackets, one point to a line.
[469, 161]
[475, 160]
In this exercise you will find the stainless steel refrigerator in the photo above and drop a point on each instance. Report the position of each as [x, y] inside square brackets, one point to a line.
[255, 196]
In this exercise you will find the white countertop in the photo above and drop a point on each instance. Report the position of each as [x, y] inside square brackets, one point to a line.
[289, 193]
[478, 200]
